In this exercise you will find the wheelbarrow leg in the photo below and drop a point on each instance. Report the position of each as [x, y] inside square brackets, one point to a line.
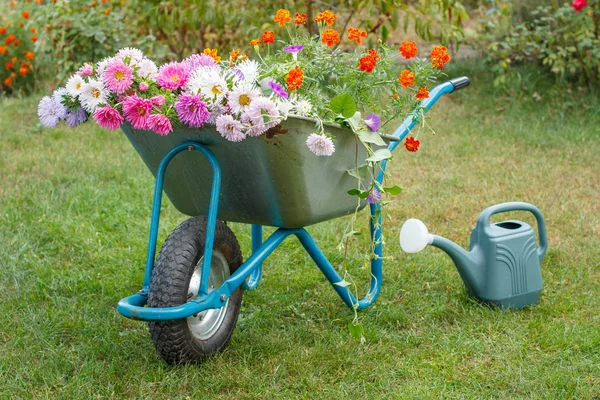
[257, 235]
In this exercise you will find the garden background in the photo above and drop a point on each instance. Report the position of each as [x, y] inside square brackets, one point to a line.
[75, 205]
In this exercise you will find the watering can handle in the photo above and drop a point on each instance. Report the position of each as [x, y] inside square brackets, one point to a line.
[484, 220]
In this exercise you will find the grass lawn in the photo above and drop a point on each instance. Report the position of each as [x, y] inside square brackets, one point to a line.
[74, 215]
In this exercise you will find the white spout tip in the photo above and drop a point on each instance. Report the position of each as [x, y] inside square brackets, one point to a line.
[414, 236]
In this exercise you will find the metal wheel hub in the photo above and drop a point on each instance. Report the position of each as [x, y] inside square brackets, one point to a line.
[206, 323]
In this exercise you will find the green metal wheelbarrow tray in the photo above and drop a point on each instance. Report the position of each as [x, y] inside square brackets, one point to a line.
[192, 291]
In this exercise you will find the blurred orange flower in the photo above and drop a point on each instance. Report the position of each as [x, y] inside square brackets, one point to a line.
[29, 55]
[23, 70]
[2, 30]
[25, 14]
[107, 11]
[34, 38]
[9, 66]
[8, 82]
[330, 37]
[8, 41]
[2, 50]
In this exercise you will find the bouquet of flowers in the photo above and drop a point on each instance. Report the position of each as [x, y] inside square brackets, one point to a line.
[292, 74]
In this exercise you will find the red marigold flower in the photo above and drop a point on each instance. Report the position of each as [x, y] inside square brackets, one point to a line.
[23, 70]
[300, 19]
[268, 37]
[578, 5]
[408, 50]
[411, 144]
[329, 37]
[282, 17]
[367, 63]
[212, 53]
[373, 53]
[255, 42]
[2, 30]
[327, 16]
[356, 34]
[8, 41]
[25, 14]
[439, 57]
[295, 78]
[407, 78]
[34, 38]
[9, 65]
[8, 82]
[422, 93]
[28, 55]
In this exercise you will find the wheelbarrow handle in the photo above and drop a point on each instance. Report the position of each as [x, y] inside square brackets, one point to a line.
[437, 92]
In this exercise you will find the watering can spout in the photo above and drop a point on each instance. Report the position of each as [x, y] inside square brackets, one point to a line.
[414, 237]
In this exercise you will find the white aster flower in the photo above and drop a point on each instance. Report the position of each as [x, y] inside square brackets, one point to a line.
[303, 108]
[210, 83]
[284, 106]
[248, 70]
[261, 116]
[147, 69]
[74, 85]
[320, 145]
[92, 95]
[230, 128]
[240, 98]
[101, 66]
[134, 55]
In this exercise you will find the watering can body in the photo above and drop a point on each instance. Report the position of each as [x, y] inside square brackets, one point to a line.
[503, 266]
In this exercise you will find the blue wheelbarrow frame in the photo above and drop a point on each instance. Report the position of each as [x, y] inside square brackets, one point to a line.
[249, 273]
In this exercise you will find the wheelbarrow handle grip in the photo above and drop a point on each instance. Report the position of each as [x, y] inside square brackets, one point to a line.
[484, 220]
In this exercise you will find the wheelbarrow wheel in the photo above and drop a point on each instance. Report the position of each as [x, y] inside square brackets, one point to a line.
[176, 280]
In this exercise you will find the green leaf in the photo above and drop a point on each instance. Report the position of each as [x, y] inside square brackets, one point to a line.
[354, 192]
[379, 155]
[344, 104]
[394, 190]
[356, 330]
[371, 137]
[359, 173]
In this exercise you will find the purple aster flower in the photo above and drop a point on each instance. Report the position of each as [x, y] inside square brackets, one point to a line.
[373, 122]
[278, 90]
[374, 196]
[230, 128]
[199, 60]
[50, 111]
[192, 110]
[76, 118]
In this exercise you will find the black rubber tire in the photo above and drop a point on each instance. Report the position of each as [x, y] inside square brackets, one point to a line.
[171, 275]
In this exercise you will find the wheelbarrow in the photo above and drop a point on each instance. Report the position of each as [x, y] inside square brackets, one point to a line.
[192, 292]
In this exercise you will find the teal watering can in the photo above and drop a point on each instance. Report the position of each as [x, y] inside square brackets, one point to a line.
[502, 267]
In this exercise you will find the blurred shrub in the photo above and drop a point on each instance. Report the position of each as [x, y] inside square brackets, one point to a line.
[558, 37]
[18, 33]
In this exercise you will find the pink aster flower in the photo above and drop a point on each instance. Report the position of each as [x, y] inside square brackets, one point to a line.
[137, 111]
[158, 100]
[86, 70]
[108, 117]
[172, 76]
[320, 145]
[160, 124]
[143, 86]
[117, 76]
[230, 129]
[192, 110]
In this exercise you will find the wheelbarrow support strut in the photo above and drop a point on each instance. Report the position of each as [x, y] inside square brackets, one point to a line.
[249, 273]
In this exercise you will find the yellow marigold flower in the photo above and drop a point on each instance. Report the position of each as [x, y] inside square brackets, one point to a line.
[329, 37]
[282, 17]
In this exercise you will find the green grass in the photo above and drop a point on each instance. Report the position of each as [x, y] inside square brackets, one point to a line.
[74, 214]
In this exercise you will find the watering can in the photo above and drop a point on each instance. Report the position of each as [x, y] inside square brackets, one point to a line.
[502, 267]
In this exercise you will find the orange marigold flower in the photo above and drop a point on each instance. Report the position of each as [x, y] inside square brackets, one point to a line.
[282, 17]
[8, 41]
[411, 144]
[396, 96]
[12, 3]
[29, 55]
[32, 30]
[244, 57]
[2, 30]
[105, 1]
[233, 56]
[34, 38]
[439, 57]
[8, 82]
[107, 11]
[9, 66]
[373, 53]
[255, 42]
[212, 53]
[422, 93]
[23, 70]
[17, 43]
[25, 14]
[407, 78]
[300, 19]
[39, 1]
[2, 50]
[295, 78]
[367, 63]
[94, 4]
[356, 34]
[327, 16]
[408, 50]
[330, 37]
[268, 37]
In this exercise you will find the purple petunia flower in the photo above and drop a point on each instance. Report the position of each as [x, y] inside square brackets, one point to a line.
[373, 122]
[278, 90]
[192, 110]
[294, 49]
[374, 196]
